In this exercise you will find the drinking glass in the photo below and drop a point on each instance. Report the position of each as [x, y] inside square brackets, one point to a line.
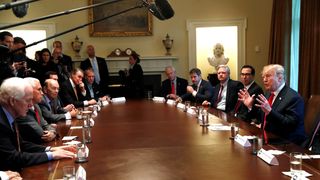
[69, 173]
[256, 145]
[234, 129]
[295, 163]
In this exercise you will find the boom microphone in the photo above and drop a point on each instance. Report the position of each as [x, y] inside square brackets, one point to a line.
[161, 9]
[20, 10]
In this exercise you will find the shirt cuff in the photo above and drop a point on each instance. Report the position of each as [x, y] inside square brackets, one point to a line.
[84, 93]
[3, 176]
[194, 93]
[67, 115]
[85, 103]
[50, 156]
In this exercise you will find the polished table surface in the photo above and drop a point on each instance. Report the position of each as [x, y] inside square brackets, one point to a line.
[148, 140]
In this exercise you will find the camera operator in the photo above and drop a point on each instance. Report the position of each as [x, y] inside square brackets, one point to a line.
[23, 66]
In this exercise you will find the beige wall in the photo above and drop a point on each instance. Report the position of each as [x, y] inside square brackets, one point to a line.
[257, 12]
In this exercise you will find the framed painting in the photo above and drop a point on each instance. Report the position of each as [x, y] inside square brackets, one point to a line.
[136, 22]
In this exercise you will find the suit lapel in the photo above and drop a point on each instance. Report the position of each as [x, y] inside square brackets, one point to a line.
[280, 97]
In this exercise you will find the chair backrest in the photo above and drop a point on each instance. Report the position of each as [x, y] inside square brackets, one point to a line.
[311, 112]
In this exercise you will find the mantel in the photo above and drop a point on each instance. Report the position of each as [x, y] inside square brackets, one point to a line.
[149, 64]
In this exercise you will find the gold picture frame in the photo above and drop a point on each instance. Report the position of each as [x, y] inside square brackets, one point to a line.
[137, 22]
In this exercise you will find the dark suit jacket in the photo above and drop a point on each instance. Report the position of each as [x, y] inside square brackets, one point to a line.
[233, 88]
[243, 111]
[134, 82]
[68, 96]
[97, 93]
[181, 87]
[286, 116]
[205, 93]
[30, 129]
[67, 61]
[52, 114]
[11, 158]
[103, 71]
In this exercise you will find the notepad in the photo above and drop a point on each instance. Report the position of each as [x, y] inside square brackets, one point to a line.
[68, 138]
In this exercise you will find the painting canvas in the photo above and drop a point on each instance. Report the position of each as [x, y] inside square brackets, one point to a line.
[136, 22]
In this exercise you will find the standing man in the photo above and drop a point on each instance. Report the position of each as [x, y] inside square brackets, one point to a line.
[6, 44]
[64, 59]
[99, 67]
[60, 62]
[173, 87]
[16, 96]
[73, 90]
[226, 95]
[281, 109]
[247, 75]
[200, 90]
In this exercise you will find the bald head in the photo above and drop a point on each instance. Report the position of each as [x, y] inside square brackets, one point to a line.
[51, 88]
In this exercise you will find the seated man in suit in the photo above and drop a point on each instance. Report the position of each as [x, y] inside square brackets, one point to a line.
[200, 90]
[92, 87]
[281, 109]
[99, 66]
[173, 87]
[33, 127]
[73, 91]
[51, 108]
[16, 96]
[247, 78]
[226, 95]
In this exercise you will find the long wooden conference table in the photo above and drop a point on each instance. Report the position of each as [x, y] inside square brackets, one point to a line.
[148, 140]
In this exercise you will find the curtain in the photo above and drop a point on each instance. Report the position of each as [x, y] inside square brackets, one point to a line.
[309, 78]
[280, 34]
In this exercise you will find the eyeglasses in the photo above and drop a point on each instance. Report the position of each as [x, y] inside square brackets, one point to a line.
[245, 74]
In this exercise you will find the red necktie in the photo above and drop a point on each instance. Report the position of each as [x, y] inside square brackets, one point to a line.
[37, 115]
[173, 91]
[219, 95]
[270, 99]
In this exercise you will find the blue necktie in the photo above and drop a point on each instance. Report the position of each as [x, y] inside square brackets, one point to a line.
[96, 70]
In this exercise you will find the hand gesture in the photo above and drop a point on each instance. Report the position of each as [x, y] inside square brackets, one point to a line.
[263, 104]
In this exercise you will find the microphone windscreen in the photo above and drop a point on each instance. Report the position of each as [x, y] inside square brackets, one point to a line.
[161, 9]
[20, 10]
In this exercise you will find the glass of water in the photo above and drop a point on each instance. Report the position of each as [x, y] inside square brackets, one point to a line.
[295, 163]
[69, 173]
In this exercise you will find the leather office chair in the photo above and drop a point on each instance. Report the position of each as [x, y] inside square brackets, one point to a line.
[311, 118]
[311, 112]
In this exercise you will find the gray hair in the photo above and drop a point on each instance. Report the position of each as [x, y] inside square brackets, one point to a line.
[225, 67]
[13, 88]
[277, 69]
[170, 67]
[32, 81]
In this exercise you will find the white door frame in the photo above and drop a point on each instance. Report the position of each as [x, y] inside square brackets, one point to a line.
[192, 25]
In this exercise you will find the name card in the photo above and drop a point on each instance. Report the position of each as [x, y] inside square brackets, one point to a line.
[118, 100]
[159, 99]
[171, 102]
[81, 173]
[191, 111]
[104, 103]
[181, 106]
[267, 157]
[243, 141]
